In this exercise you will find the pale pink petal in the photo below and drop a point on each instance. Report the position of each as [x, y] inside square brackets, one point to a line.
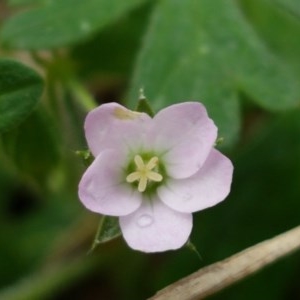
[112, 126]
[210, 185]
[155, 227]
[103, 188]
[185, 135]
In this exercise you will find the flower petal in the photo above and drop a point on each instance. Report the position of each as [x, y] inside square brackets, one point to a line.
[103, 188]
[186, 134]
[209, 186]
[112, 126]
[154, 227]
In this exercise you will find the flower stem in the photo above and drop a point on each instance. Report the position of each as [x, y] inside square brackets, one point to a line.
[82, 95]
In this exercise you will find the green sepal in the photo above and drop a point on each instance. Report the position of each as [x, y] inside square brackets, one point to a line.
[86, 156]
[219, 141]
[144, 105]
[108, 230]
[193, 248]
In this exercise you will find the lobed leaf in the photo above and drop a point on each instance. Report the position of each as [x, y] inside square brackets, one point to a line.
[208, 51]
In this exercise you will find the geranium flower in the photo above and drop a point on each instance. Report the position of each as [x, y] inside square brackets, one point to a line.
[153, 173]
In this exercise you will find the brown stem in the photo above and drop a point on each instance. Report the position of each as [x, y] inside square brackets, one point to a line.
[217, 276]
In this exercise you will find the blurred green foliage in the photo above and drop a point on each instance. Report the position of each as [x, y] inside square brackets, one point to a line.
[59, 23]
[240, 58]
[20, 89]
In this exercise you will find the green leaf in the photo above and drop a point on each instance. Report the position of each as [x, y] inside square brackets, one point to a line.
[34, 146]
[108, 229]
[26, 2]
[279, 29]
[20, 90]
[293, 6]
[114, 56]
[59, 23]
[207, 51]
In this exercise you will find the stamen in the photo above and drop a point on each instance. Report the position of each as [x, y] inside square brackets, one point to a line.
[154, 176]
[133, 177]
[139, 162]
[144, 172]
[142, 184]
[152, 163]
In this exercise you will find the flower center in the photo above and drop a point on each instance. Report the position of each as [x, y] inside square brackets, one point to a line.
[144, 172]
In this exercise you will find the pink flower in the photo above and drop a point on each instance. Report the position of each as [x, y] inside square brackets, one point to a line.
[153, 173]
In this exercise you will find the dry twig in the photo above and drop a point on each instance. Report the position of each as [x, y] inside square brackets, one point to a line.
[217, 276]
